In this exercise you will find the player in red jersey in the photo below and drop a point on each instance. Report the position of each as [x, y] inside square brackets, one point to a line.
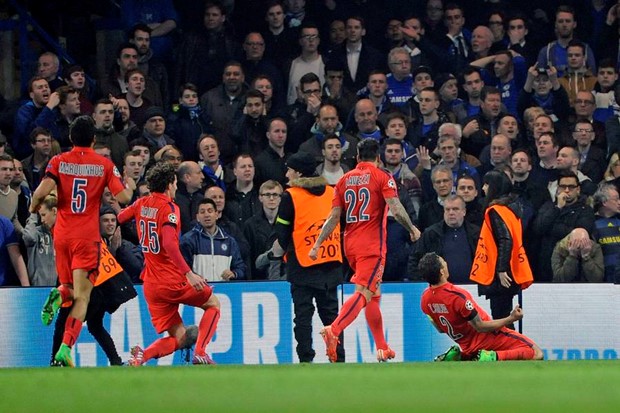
[454, 312]
[365, 193]
[168, 280]
[79, 177]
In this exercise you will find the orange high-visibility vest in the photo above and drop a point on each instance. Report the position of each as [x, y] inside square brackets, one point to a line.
[108, 266]
[310, 215]
[483, 268]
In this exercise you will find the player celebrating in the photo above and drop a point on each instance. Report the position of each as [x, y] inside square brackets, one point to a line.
[168, 280]
[453, 311]
[80, 177]
[364, 193]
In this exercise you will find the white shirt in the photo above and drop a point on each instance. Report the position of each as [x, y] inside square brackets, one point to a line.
[353, 60]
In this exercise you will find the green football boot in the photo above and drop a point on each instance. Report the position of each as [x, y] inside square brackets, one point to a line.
[51, 306]
[452, 354]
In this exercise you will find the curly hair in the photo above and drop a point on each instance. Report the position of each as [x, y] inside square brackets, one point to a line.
[160, 176]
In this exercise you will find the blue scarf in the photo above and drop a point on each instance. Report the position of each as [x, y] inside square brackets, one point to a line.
[194, 111]
[211, 174]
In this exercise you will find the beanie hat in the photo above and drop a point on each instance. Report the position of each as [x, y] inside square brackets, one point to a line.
[302, 162]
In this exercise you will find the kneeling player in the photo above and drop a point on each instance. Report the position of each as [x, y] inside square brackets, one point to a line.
[168, 280]
[453, 311]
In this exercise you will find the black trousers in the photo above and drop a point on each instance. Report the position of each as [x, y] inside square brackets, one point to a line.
[501, 306]
[304, 298]
[94, 322]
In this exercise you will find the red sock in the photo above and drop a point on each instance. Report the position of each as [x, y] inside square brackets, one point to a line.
[160, 348]
[206, 329]
[375, 322]
[65, 293]
[73, 326]
[349, 312]
[519, 353]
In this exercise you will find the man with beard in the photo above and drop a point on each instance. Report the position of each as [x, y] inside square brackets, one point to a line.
[103, 115]
[331, 168]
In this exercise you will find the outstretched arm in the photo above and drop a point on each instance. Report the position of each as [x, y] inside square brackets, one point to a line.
[332, 220]
[398, 210]
[482, 326]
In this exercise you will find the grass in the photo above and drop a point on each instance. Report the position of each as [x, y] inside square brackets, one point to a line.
[566, 386]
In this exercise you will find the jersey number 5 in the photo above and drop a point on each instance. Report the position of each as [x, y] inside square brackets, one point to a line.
[78, 195]
[149, 240]
[351, 198]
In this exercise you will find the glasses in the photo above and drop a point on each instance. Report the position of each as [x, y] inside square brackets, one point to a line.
[271, 195]
[311, 91]
[565, 187]
[584, 130]
[310, 37]
[257, 44]
[584, 102]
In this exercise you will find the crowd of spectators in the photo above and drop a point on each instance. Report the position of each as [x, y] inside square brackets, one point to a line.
[228, 91]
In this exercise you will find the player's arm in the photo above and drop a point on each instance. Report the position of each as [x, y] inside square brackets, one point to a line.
[482, 326]
[124, 197]
[400, 214]
[46, 186]
[332, 221]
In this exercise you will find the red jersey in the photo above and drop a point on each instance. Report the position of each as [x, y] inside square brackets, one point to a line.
[451, 308]
[152, 213]
[361, 193]
[81, 175]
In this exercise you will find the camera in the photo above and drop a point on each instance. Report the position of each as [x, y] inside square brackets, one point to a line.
[542, 70]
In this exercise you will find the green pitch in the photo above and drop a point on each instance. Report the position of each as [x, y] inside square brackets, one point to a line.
[567, 386]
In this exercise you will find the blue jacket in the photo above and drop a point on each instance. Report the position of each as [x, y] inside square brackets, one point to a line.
[210, 255]
[28, 117]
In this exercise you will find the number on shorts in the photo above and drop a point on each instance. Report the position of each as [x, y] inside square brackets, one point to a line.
[149, 239]
[351, 198]
[78, 195]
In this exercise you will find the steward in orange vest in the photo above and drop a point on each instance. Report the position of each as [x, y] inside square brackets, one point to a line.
[301, 215]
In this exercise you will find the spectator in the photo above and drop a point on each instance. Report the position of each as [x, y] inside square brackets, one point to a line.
[500, 152]
[209, 47]
[479, 129]
[259, 229]
[48, 67]
[209, 250]
[154, 132]
[223, 104]
[210, 163]
[568, 160]
[555, 53]
[357, 57]
[472, 84]
[466, 189]
[35, 164]
[76, 78]
[9, 197]
[103, 116]
[584, 107]
[280, 40]
[432, 211]
[334, 91]
[255, 63]
[454, 238]
[116, 84]
[271, 162]
[38, 111]
[577, 259]
[366, 125]
[149, 58]
[394, 162]
[37, 237]
[555, 220]
[189, 193]
[531, 191]
[542, 88]
[456, 42]
[519, 41]
[16, 273]
[328, 124]
[188, 122]
[331, 167]
[607, 206]
[309, 61]
[577, 76]
[264, 85]
[242, 200]
[591, 158]
[606, 79]
[544, 171]
[301, 115]
[248, 131]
